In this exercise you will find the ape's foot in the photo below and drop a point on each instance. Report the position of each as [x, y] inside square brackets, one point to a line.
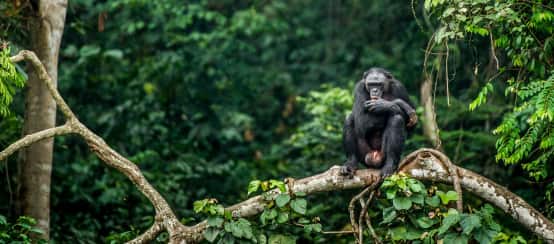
[347, 171]
[387, 171]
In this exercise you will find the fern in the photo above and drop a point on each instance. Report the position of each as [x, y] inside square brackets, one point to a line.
[10, 81]
[481, 97]
[526, 135]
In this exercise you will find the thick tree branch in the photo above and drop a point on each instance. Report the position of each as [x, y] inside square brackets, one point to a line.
[423, 164]
[163, 212]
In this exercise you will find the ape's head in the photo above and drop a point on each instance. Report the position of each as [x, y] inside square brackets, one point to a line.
[376, 82]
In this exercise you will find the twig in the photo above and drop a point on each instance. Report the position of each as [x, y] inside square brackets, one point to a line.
[368, 219]
[337, 232]
[446, 74]
[351, 209]
[493, 51]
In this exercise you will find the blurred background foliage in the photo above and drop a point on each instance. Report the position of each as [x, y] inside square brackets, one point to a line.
[209, 95]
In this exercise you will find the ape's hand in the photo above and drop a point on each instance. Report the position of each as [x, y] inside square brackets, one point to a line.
[378, 106]
[347, 171]
[413, 120]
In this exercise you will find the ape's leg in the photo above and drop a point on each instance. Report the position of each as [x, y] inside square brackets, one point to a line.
[393, 143]
[350, 147]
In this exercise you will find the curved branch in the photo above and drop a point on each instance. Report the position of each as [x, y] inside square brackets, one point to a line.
[149, 234]
[423, 164]
[168, 220]
[45, 77]
[35, 137]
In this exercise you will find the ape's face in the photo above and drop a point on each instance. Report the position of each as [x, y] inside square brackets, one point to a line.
[374, 82]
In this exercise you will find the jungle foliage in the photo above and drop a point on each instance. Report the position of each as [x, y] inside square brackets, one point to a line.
[213, 97]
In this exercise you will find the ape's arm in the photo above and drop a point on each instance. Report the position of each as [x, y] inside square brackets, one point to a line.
[394, 107]
[408, 111]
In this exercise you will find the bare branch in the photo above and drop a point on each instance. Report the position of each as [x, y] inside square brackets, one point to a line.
[168, 219]
[43, 76]
[149, 234]
[35, 137]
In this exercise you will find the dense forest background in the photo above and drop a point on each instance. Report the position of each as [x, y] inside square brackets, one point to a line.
[206, 96]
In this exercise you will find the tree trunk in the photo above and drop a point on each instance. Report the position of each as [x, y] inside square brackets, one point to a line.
[46, 29]
[430, 127]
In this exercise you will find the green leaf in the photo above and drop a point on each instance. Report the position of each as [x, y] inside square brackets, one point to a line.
[433, 201]
[402, 203]
[235, 228]
[425, 222]
[283, 217]
[455, 238]
[215, 221]
[114, 53]
[452, 218]
[469, 222]
[418, 198]
[484, 236]
[299, 205]
[279, 184]
[268, 214]
[447, 197]
[403, 233]
[199, 205]
[312, 228]
[303, 221]
[282, 199]
[228, 215]
[227, 239]
[253, 186]
[391, 193]
[262, 239]
[389, 214]
[245, 228]
[211, 234]
[281, 239]
[415, 185]
[3, 220]
[300, 194]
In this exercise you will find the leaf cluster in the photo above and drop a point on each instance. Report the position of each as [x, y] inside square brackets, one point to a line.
[412, 212]
[20, 231]
[10, 80]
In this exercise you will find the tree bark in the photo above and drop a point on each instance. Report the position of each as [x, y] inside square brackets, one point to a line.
[430, 127]
[46, 29]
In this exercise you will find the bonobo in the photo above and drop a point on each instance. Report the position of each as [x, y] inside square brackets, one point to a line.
[375, 131]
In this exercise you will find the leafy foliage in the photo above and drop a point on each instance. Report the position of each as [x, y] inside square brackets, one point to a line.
[410, 211]
[209, 95]
[20, 231]
[280, 208]
[10, 80]
[524, 32]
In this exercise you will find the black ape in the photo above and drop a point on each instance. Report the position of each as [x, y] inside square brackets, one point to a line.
[376, 129]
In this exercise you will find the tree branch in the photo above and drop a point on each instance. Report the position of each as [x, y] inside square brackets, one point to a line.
[35, 137]
[422, 164]
[163, 212]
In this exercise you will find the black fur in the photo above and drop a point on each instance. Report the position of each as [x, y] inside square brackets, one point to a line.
[378, 126]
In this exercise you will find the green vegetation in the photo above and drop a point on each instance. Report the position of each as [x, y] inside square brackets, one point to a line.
[213, 97]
